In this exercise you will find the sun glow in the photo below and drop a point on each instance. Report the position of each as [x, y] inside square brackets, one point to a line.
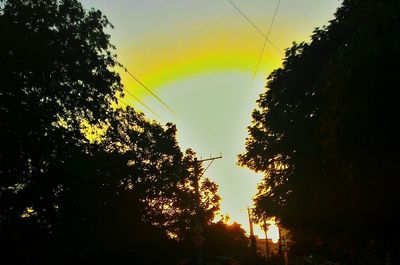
[199, 57]
[272, 233]
[192, 55]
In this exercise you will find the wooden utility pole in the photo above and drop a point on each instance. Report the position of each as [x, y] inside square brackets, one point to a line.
[198, 239]
[283, 245]
[265, 226]
[253, 250]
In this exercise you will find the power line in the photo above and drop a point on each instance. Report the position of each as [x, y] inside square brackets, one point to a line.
[254, 26]
[127, 91]
[143, 85]
[266, 39]
[207, 168]
[126, 105]
[138, 100]
[151, 92]
[144, 105]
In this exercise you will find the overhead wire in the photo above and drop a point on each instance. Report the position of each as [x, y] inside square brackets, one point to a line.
[143, 85]
[151, 92]
[138, 100]
[266, 39]
[254, 25]
[141, 102]
[204, 171]
[126, 105]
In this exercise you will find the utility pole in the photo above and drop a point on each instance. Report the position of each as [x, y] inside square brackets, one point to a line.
[265, 226]
[252, 237]
[283, 245]
[198, 239]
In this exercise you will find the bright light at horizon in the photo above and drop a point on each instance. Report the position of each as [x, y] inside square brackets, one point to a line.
[272, 233]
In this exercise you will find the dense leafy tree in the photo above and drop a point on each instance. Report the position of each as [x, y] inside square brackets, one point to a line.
[135, 182]
[56, 72]
[81, 181]
[323, 132]
[225, 240]
[159, 174]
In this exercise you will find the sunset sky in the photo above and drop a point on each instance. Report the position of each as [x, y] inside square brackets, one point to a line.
[199, 57]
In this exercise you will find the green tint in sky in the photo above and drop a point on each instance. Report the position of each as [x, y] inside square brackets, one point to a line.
[199, 57]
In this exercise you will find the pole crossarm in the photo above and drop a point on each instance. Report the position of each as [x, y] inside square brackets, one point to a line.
[212, 159]
[208, 159]
[197, 229]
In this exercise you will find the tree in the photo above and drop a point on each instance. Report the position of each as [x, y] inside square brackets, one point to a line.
[55, 68]
[225, 240]
[158, 173]
[56, 63]
[323, 131]
[128, 191]
[67, 195]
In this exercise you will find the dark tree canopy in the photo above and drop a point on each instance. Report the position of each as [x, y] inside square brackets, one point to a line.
[67, 196]
[225, 240]
[324, 131]
[158, 173]
[55, 74]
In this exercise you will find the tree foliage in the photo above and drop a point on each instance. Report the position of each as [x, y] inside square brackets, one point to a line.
[323, 132]
[55, 71]
[225, 240]
[80, 180]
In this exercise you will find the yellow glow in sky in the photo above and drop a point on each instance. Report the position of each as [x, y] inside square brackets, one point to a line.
[234, 48]
[199, 57]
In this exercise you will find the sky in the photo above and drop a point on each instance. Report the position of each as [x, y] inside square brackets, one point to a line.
[199, 56]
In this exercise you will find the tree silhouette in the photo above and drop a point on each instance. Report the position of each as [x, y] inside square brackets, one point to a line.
[55, 71]
[323, 132]
[80, 180]
[225, 240]
[159, 174]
